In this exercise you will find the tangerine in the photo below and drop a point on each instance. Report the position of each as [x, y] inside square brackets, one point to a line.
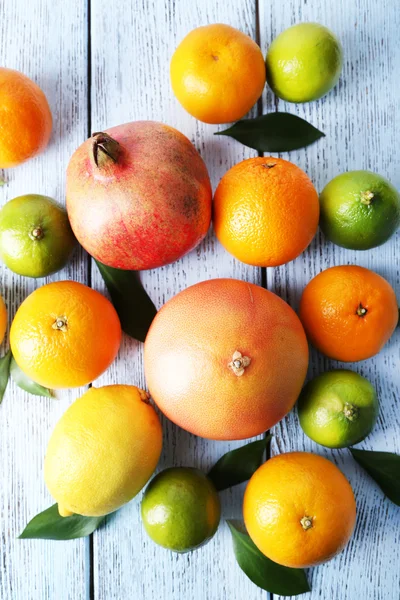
[266, 211]
[65, 334]
[349, 312]
[217, 73]
[299, 509]
[25, 118]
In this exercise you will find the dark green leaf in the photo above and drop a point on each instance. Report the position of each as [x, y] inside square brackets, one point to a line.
[238, 465]
[274, 132]
[48, 525]
[134, 307]
[27, 384]
[264, 572]
[384, 468]
[4, 373]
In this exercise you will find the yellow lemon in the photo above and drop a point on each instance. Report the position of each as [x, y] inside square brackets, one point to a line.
[103, 450]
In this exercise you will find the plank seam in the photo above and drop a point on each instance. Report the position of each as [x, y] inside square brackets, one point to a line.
[259, 112]
[89, 259]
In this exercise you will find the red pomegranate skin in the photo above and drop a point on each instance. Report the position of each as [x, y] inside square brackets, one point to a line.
[147, 209]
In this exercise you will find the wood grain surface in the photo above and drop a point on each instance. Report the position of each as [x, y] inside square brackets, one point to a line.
[32, 40]
[102, 64]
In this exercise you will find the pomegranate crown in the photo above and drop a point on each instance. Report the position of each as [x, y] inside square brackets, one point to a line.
[105, 149]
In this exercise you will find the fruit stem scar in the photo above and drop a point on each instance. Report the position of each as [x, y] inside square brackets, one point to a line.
[105, 149]
[60, 323]
[144, 396]
[350, 412]
[36, 233]
[361, 310]
[214, 57]
[366, 197]
[239, 363]
[268, 165]
[306, 522]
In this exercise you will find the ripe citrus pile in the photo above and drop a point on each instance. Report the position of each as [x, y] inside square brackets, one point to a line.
[224, 359]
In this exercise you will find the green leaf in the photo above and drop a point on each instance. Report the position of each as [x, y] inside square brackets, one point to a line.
[274, 132]
[384, 468]
[134, 307]
[264, 572]
[27, 384]
[238, 465]
[48, 525]
[4, 373]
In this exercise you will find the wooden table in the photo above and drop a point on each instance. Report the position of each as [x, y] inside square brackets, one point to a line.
[102, 63]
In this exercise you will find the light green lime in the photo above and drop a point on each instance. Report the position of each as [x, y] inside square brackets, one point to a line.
[35, 236]
[359, 210]
[338, 409]
[304, 62]
[181, 509]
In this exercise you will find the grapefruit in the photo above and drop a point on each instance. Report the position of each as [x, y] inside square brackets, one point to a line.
[225, 359]
[138, 195]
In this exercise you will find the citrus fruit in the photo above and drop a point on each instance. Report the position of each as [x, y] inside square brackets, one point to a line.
[349, 312]
[217, 73]
[359, 210]
[3, 319]
[338, 409]
[35, 236]
[25, 118]
[304, 62]
[65, 334]
[181, 509]
[299, 509]
[225, 359]
[266, 211]
[103, 450]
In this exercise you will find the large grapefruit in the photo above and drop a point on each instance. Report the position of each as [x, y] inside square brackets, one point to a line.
[225, 359]
[138, 195]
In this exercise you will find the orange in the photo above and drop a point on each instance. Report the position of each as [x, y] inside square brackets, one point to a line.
[225, 359]
[217, 73]
[25, 119]
[349, 312]
[65, 334]
[266, 211]
[299, 509]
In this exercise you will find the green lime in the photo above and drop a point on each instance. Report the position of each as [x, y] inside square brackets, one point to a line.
[181, 509]
[304, 62]
[359, 210]
[35, 236]
[338, 409]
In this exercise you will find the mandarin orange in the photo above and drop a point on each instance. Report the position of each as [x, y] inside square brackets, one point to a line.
[299, 509]
[65, 334]
[349, 312]
[25, 118]
[217, 73]
[266, 211]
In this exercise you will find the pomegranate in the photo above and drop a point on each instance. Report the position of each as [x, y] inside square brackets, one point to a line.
[138, 195]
